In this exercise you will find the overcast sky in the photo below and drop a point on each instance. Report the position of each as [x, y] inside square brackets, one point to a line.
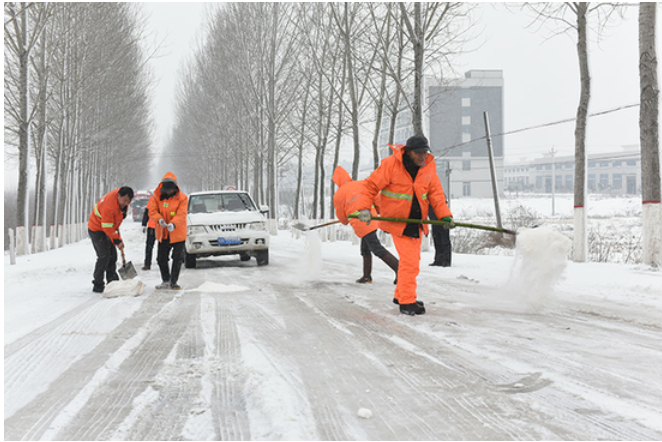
[540, 74]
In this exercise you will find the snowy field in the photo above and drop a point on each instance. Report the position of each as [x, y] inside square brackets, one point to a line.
[524, 347]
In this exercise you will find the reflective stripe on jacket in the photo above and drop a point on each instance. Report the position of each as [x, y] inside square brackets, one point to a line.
[346, 201]
[398, 190]
[107, 216]
[171, 210]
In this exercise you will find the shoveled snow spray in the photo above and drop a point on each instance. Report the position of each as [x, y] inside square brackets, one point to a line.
[540, 259]
[312, 257]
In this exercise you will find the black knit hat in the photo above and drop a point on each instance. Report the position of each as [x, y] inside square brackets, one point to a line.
[417, 143]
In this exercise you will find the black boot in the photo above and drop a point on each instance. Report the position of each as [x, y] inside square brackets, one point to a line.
[392, 262]
[367, 270]
[412, 309]
[396, 302]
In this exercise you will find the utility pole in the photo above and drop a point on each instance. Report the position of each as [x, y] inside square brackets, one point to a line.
[495, 191]
[552, 153]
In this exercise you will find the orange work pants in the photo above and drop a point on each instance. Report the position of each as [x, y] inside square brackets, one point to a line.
[409, 253]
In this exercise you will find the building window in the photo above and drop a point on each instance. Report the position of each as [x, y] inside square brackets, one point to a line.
[604, 164]
[591, 182]
[618, 181]
[568, 166]
[548, 167]
[604, 181]
[466, 137]
[538, 167]
[466, 102]
[591, 164]
[568, 182]
[538, 182]
[466, 164]
[466, 189]
[618, 163]
[466, 121]
[631, 163]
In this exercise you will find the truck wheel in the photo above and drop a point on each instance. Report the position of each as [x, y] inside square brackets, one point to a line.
[189, 261]
[262, 257]
[245, 257]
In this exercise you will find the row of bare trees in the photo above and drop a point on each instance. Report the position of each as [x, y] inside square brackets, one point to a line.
[576, 17]
[279, 84]
[76, 111]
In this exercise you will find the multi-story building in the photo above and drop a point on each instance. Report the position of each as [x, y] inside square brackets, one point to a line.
[458, 134]
[456, 130]
[617, 173]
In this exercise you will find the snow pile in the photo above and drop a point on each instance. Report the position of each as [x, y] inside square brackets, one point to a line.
[540, 259]
[365, 413]
[129, 287]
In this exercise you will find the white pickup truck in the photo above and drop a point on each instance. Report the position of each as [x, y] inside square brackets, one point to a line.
[226, 222]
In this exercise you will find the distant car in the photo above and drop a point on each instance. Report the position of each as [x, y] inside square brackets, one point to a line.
[226, 222]
[138, 205]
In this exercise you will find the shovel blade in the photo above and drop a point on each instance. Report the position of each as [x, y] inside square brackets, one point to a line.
[301, 226]
[127, 271]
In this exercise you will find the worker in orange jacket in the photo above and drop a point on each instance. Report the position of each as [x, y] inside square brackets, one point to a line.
[168, 208]
[103, 227]
[409, 184]
[345, 201]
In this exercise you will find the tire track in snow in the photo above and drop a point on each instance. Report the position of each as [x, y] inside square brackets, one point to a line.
[413, 383]
[229, 406]
[31, 421]
[51, 350]
[27, 340]
[111, 398]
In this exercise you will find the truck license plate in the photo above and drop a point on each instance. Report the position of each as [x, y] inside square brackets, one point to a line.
[230, 240]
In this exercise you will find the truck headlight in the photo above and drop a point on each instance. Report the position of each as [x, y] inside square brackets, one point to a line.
[260, 225]
[192, 230]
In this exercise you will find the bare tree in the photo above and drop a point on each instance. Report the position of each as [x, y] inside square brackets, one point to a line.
[575, 16]
[649, 136]
[24, 23]
[427, 25]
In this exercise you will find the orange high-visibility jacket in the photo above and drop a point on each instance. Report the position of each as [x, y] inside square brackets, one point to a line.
[397, 189]
[346, 201]
[107, 216]
[172, 210]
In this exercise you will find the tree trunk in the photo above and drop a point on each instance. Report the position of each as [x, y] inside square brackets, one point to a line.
[649, 137]
[419, 66]
[22, 207]
[580, 238]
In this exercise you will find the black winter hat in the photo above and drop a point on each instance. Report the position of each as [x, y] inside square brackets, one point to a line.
[417, 143]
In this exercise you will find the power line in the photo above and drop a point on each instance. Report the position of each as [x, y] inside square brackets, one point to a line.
[540, 126]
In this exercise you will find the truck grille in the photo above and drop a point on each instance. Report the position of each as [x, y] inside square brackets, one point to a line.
[226, 227]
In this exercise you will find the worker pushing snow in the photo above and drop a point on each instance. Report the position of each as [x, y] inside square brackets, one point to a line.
[409, 185]
[345, 201]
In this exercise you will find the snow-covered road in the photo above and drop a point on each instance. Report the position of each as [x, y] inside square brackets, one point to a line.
[293, 350]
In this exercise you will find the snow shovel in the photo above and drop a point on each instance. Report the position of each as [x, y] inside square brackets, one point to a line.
[127, 271]
[304, 227]
[439, 223]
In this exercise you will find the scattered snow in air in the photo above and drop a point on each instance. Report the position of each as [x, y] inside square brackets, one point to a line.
[312, 257]
[540, 259]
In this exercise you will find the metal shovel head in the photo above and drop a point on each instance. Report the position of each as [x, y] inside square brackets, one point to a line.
[301, 226]
[127, 271]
